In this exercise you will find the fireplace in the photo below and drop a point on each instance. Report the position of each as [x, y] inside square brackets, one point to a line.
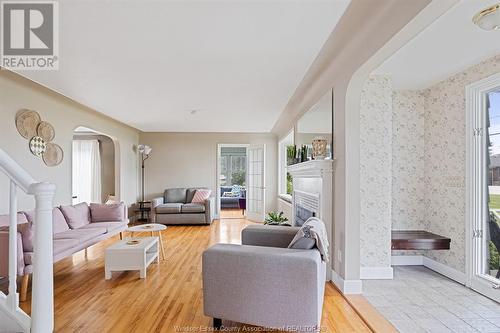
[306, 205]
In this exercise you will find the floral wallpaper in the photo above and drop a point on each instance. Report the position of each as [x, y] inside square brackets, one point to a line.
[375, 171]
[444, 159]
[412, 158]
[408, 160]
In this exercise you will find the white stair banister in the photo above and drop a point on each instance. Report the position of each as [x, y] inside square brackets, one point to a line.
[12, 298]
[42, 294]
[12, 318]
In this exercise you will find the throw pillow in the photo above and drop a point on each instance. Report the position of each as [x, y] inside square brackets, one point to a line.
[107, 212]
[229, 195]
[59, 223]
[77, 216]
[303, 239]
[201, 195]
[236, 190]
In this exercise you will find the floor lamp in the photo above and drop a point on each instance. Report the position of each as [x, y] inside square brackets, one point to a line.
[145, 151]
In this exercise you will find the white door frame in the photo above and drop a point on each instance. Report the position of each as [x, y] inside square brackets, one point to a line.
[475, 209]
[218, 169]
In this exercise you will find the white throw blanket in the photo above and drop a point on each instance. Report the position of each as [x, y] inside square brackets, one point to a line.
[315, 228]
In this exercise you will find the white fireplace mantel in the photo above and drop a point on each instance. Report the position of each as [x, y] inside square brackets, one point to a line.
[311, 169]
[312, 188]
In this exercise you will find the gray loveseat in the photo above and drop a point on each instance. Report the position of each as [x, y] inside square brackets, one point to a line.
[264, 283]
[175, 207]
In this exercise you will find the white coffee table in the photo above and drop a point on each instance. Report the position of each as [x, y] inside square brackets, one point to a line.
[123, 256]
[152, 228]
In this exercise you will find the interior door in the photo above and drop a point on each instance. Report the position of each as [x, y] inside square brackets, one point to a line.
[256, 186]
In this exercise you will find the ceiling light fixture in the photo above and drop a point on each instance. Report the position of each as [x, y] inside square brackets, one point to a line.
[489, 18]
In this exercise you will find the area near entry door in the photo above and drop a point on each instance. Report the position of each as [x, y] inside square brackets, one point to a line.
[256, 186]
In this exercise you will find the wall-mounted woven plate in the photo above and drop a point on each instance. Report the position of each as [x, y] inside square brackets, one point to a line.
[46, 131]
[37, 146]
[53, 155]
[27, 123]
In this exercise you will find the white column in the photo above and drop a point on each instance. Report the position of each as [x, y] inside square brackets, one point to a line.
[12, 298]
[42, 304]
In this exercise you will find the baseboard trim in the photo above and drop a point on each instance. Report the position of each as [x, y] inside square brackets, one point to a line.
[347, 286]
[376, 273]
[445, 270]
[407, 260]
[419, 260]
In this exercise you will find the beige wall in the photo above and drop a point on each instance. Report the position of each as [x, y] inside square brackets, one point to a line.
[65, 115]
[189, 159]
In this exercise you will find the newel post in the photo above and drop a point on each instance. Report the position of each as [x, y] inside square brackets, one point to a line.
[42, 296]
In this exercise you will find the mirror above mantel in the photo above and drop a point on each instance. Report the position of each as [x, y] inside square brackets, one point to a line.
[316, 123]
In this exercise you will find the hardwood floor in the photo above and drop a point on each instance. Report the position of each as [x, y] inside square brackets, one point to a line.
[232, 213]
[171, 295]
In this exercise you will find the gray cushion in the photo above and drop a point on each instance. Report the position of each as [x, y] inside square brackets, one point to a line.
[175, 195]
[303, 243]
[169, 208]
[193, 208]
[191, 192]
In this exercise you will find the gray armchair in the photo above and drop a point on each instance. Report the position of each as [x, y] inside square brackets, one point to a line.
[264, 283]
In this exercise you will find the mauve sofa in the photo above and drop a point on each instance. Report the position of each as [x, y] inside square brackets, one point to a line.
[175, 207]
[74, 228]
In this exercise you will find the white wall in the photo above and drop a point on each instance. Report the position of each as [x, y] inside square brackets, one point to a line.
[65, 115]
[190, 160]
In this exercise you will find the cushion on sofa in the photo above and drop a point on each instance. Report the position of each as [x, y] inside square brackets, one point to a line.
[109, 226]
[191, 192]
[175, 195]
[81, 235]
[5, 219]
[59, 223]
[193, 208]
[169, 208]
[200, 196]
[61, 245]
[76, 215]
[107, 213]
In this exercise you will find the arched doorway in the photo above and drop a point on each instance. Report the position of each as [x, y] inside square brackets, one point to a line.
[94, 167]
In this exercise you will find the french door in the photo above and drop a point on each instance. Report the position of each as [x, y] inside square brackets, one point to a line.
[483, 186]
[256, 189]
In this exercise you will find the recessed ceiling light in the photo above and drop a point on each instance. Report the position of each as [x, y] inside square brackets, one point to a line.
[489, 18]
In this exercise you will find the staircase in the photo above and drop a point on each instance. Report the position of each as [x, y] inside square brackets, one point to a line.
[12, 318]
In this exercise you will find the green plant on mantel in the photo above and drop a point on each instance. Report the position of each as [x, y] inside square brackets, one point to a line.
[291, 153]
[275, 218]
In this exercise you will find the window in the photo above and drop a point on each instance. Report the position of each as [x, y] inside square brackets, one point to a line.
[233, 166]
[285, 179]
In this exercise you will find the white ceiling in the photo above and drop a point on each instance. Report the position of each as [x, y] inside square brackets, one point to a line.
[150, 63]
[450, 45]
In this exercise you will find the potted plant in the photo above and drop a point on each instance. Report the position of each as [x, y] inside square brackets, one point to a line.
[275, 218]
[291, 152]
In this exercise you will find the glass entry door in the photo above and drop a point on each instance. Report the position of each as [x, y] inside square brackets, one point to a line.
[484, 267]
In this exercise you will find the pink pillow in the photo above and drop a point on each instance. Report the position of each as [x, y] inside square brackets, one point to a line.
[59, 223]
[107, 213]
[77, 216]
[200, 196]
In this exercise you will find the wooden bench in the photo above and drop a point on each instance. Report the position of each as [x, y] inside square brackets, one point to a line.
[418, 240]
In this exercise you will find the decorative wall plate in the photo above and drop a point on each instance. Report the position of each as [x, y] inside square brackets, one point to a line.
[46, 131]
[27, 122]
[37, 146]
[53, 155]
